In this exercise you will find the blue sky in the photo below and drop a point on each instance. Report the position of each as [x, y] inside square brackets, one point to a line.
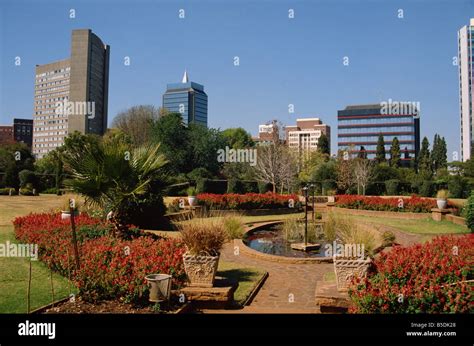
[282, 61]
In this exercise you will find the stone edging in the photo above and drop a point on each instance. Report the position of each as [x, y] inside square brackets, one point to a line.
[255, 290]
[273, 258]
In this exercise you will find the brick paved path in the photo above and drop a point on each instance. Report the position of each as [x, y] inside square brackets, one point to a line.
[289, 288]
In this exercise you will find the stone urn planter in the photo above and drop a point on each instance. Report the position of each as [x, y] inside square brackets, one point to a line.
[347, 268]
[160, 287]
[192, 199]
[201, 270]
[442, 199]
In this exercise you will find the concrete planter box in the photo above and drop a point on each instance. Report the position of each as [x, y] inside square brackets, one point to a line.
[348, 268]
[201, 270]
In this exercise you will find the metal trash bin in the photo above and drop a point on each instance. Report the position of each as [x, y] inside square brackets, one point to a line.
[160, 287]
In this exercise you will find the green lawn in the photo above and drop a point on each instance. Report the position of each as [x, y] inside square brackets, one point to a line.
[247, 277]
[417, 226]
[15, 271]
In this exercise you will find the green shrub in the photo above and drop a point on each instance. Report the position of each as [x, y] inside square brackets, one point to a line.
[427, 188]
[388, 238]
[205, 185]
[28, 190]
[392, 187]
[6, 191]
[264, 187]
[470, 212]
[328, 185]
[457, 186]
[250, 187]
[235, 186]
[28, 177]
[51, 190]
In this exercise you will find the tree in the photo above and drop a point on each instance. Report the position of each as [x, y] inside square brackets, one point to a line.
[323, 145]
[173, 137]
[238, 138]
[380, 151]
[406, 154]
[310, 164]
[275, 165]
[137, 122]
[438, 154]
[13, 159]
[115, 176]
[395, 153]
[345, 171]
[424, 160]
[362, 174]
[362, 153]
[204, 144]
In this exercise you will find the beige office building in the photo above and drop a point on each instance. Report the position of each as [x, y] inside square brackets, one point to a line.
[303, 137]
[71, 94]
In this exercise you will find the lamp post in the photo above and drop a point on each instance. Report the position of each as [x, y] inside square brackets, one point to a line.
[305, 191]
[312, 186]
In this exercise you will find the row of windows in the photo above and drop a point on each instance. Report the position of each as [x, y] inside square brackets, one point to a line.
[409, 146]
[47, 128]
[66, 69]
[374, 138]
[50, 145]
[377, 129]
[379, 120]
[51, 95]
[64, 87]
[58, 82]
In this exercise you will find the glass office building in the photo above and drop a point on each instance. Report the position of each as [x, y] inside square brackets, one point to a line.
[360, 126]
[187, 98]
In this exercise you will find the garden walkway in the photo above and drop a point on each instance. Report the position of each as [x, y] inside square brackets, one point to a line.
[289, 288]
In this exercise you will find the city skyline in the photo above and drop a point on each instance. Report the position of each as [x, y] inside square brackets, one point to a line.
[282, 61]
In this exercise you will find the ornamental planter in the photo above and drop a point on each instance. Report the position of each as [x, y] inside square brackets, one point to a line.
[441, 203]
[67, 215]
[192, 200]
[160, 287]
[201, 270]
[348, 268]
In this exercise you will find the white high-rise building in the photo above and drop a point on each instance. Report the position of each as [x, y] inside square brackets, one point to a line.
[466, 84]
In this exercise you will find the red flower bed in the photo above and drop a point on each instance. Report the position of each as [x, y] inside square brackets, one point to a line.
[424, 278]
[413, 204]
[109, 267]
[232, 201]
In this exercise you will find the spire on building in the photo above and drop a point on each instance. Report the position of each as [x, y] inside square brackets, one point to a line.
[185, 77]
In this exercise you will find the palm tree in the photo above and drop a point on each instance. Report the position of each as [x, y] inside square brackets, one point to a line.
[113, 176]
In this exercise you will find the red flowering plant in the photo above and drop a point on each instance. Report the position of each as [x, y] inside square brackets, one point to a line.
[232, 201]
[413, 204]
[109, 267]
[435, 277]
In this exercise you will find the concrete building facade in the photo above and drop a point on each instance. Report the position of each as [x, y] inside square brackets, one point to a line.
[466, 87]
[71, 94]
[304, 136]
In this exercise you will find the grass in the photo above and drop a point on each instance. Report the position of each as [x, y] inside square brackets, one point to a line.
[15, 271]
[247, 277]
[416, 226]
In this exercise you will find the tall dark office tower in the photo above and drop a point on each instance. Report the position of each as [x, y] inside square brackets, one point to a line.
[187, 98]
[360, 126]
[71, 94]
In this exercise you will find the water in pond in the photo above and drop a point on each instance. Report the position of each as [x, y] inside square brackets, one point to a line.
[272, 241]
